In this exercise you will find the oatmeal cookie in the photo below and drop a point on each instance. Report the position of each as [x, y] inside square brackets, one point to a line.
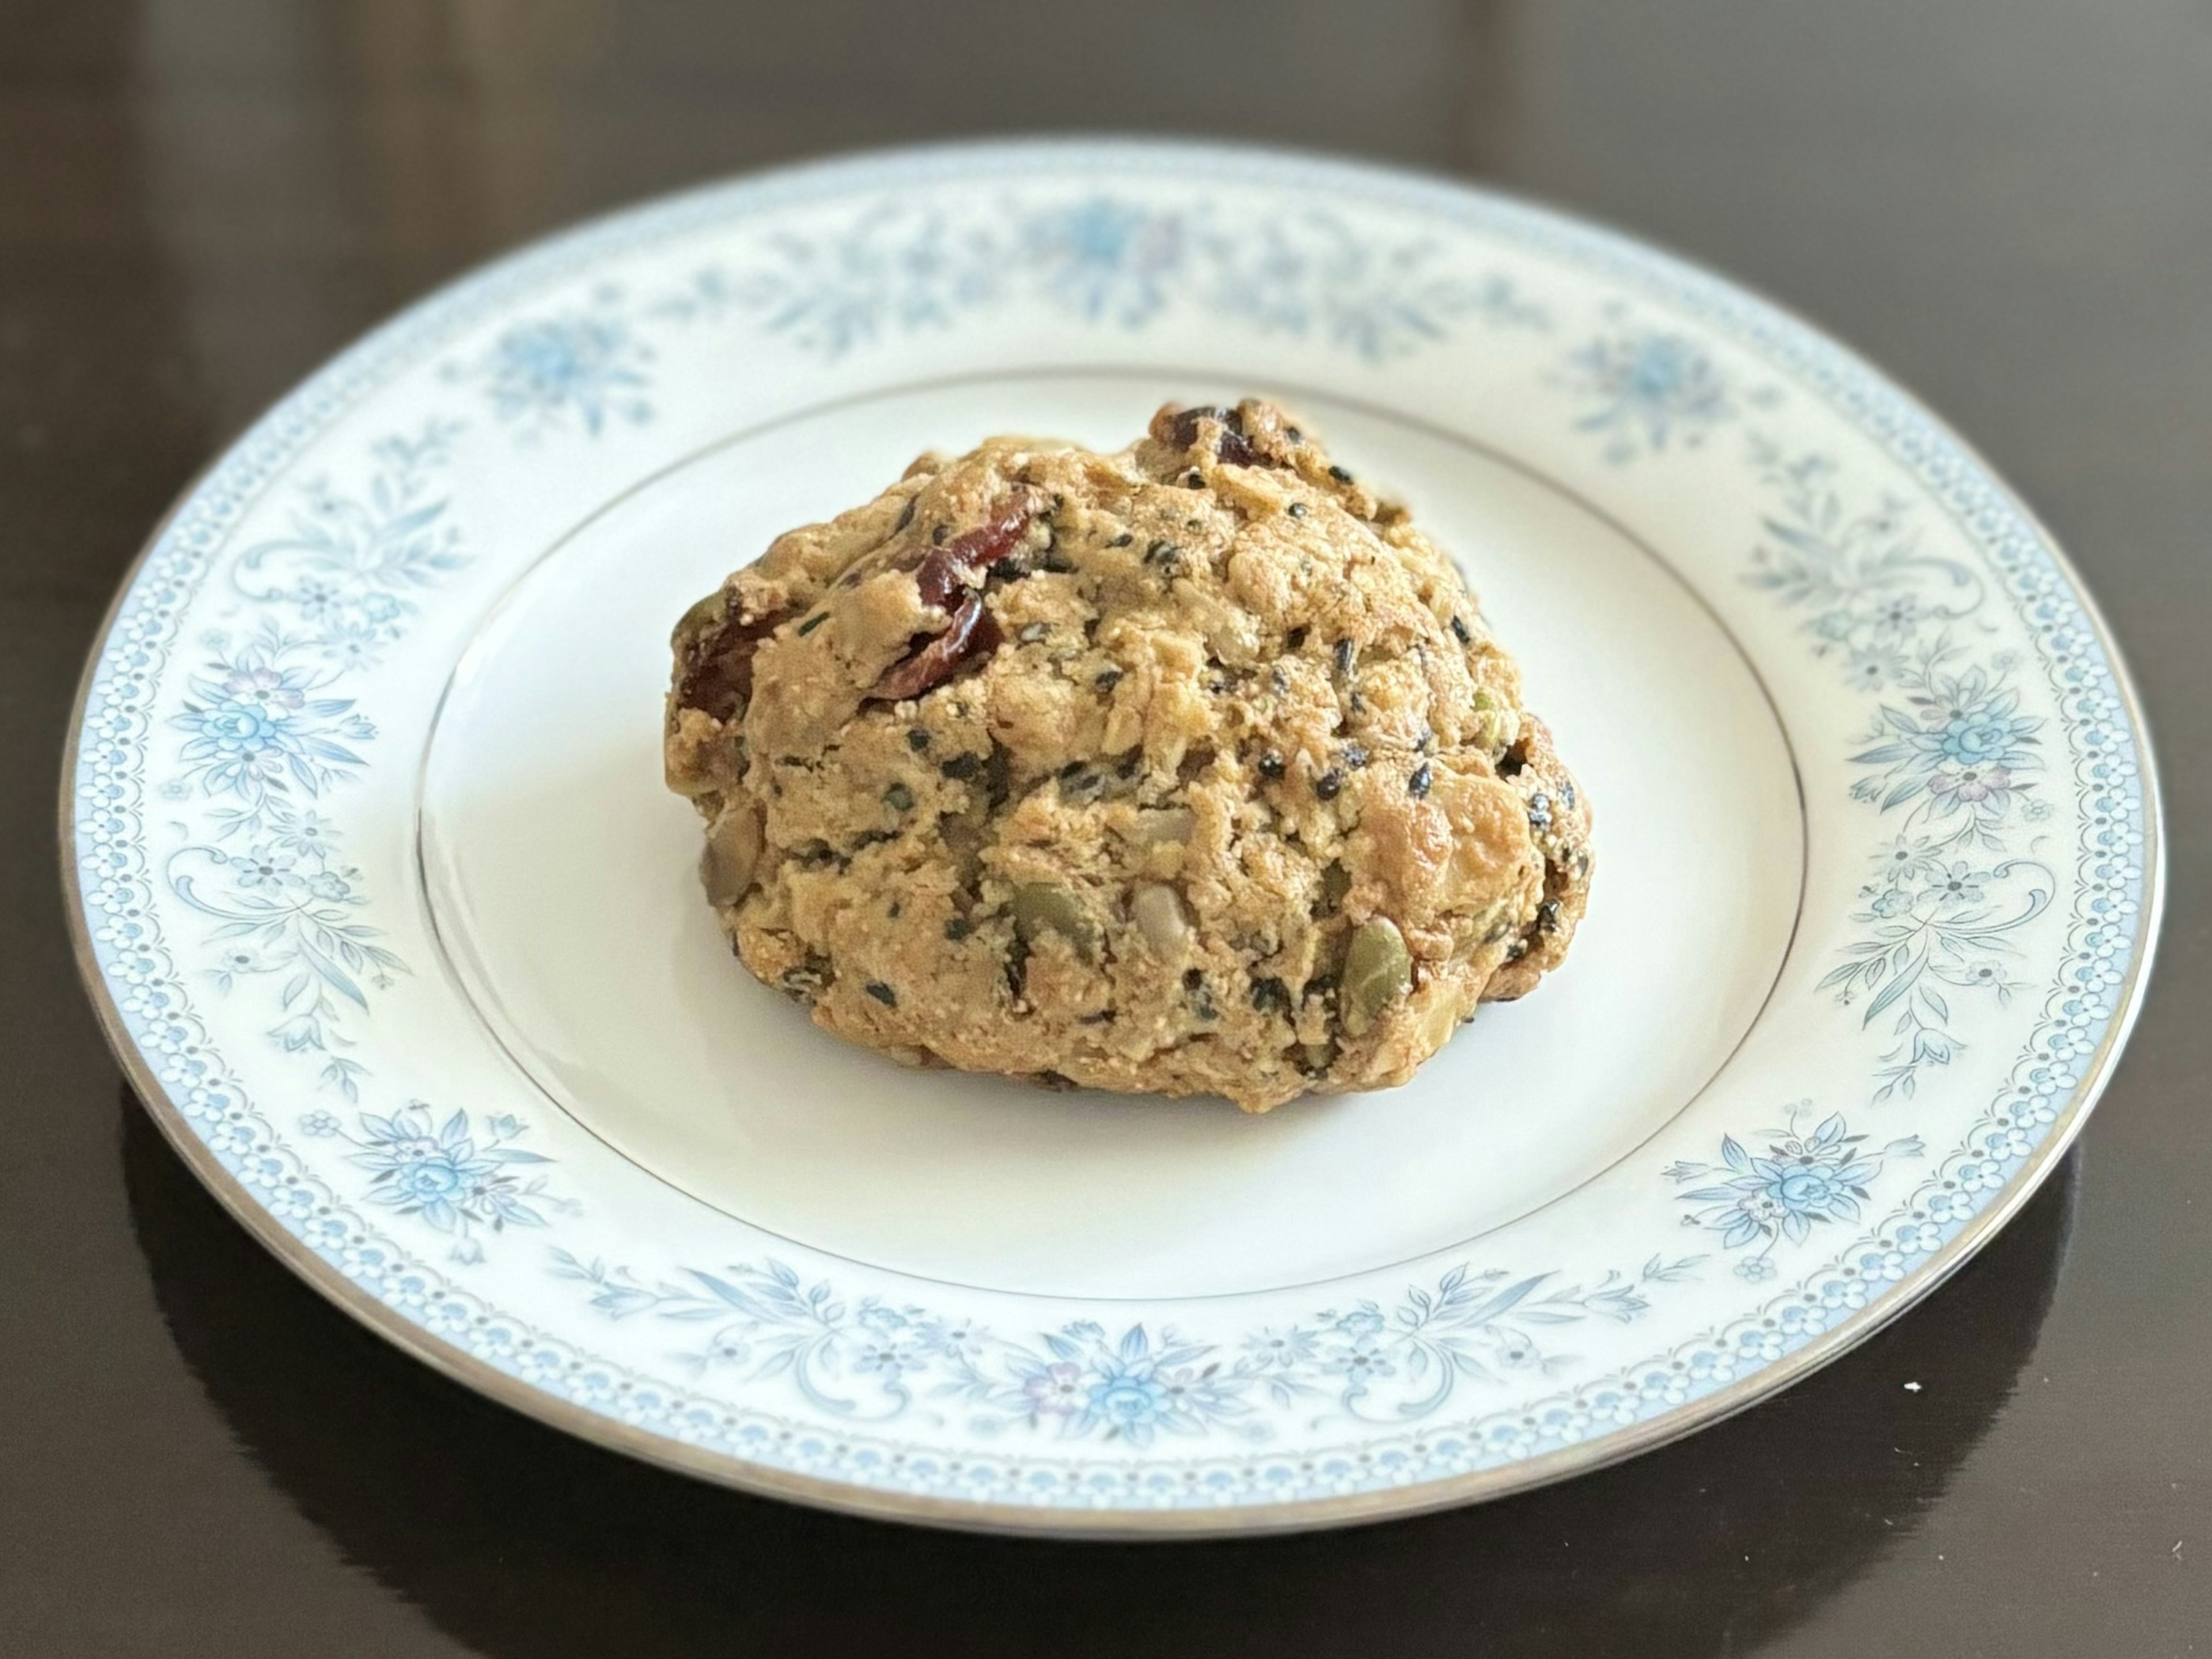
[1192, 769]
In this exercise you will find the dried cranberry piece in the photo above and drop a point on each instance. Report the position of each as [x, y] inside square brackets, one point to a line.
[942, 571]
[1233, 446]
[972, 636]
[717, 676]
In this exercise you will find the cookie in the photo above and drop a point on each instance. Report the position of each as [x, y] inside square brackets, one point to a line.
[1192, 769]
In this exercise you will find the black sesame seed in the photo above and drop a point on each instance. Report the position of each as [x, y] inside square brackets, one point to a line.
[1163, 552]
[917, 741]
[1345, 652]
[1008, 569]
[1127, 768]
[1121, 540]
[1193, 978]
[1548, 916]
[895, 909]
[1271, 765]
[882, 993]
[1418, 785]
[906, 515]
[1339, 475]
[1295, 638]
[1459, 633]
[1329, 784]
[1279, 680]
[1540, 810]
[1354, 755]
[1517, 950]
[1294, 434]
[1297, 509]
[936, 536]
[899, 797]
[959, 928]
[1108, 678]
[1567, 795]
[1195, 479]
[1103, 1017]
[812, 622]
[961, 766]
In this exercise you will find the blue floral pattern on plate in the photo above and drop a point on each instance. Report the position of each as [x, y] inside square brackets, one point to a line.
[455, 1177]
[1800, 1181]
[1364, 1362]
[1106, 262]
[1949, 752]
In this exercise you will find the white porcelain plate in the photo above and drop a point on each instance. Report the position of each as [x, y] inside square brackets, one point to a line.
[396, 929]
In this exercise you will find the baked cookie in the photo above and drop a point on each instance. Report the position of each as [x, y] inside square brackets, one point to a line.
[1191, 769]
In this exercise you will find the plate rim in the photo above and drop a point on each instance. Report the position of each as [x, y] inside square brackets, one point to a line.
[484, 282]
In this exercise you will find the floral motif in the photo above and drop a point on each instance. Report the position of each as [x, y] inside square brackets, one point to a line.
[865, 1358]
[1312, 273]
[1948, 749]
[1960, 746]
[339, 587]
[287, 913]
[1647, 388]
[1802, 1181]
[351, 567]
[449, 1175]
[892, 267]
[259, 731]
[1928, 926]
[1867, 588]
[1108, 261]
[584, 366]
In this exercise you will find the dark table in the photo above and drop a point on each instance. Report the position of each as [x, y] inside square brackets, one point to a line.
[2008, 203]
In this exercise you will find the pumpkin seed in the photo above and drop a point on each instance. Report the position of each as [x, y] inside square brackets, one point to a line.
[1157, 911]
[1043, 907]
[733, 849]
[1169, 823]
[1377, 970]
[701, 616]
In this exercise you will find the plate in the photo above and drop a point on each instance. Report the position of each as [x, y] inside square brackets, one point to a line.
[397, 931]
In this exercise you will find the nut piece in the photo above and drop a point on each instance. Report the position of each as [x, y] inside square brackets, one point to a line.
[1169, 823]
[1157, 911]
[733, 849]
[1377, 971]
[1041, 906]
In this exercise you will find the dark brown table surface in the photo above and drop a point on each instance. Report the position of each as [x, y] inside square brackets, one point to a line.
[2007, 202]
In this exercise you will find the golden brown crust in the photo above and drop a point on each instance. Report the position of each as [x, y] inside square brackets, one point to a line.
[1190, 769]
